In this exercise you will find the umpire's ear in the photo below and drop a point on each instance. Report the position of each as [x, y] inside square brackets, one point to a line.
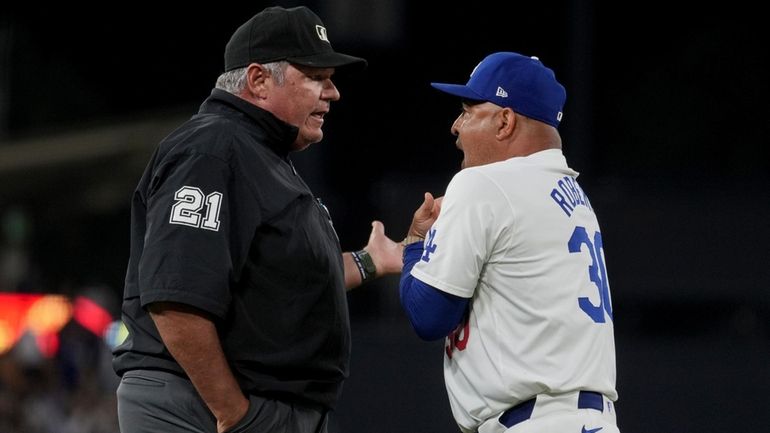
[256, 83]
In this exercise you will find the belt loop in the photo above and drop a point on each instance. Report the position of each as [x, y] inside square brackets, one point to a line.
[520, 412]
[590, 400]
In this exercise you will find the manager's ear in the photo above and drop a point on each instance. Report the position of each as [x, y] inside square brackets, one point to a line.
[507, 122]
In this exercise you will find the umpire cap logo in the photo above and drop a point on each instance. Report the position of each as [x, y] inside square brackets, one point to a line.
[321, 31]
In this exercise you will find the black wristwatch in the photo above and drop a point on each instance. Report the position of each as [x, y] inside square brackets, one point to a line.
[365, 265]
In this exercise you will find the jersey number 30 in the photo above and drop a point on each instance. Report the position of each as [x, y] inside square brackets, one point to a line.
[597, 273]
[189, 203]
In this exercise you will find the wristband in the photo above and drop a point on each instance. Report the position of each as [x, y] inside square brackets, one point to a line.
[365, 265]
[410, 239]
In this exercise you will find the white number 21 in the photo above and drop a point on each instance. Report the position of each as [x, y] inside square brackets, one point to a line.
[188, 205]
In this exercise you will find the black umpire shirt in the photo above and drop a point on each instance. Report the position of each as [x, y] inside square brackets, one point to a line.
[222, 222]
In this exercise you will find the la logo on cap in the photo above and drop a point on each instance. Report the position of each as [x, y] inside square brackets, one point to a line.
[321, 31]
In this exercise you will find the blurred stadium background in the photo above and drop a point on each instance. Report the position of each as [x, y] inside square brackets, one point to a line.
[666, 120]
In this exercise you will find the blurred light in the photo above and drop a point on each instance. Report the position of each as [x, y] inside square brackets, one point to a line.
[116, 334]
[6, 336]
[91, 316]
[48, 314]
[13, 317]
[48, 344]
[43, 316]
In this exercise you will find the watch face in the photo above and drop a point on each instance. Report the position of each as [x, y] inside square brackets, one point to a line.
[368, 262]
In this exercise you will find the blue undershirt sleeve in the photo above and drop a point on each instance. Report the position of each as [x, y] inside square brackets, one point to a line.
[432, 312]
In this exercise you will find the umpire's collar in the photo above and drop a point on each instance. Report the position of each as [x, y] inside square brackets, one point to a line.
[279, 135]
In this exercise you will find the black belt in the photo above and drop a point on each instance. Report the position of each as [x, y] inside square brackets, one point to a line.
[522, 411]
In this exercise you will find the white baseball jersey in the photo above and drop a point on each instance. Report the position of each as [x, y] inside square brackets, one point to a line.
[519, 237]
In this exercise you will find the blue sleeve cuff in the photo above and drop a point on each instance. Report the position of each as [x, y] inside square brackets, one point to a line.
[432, 312]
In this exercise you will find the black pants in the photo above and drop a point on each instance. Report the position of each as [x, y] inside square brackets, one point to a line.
[159, 402]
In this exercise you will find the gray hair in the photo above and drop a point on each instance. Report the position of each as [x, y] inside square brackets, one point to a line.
[235, 81]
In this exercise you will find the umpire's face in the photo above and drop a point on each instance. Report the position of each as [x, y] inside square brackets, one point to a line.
[302, 100]
[482, 130]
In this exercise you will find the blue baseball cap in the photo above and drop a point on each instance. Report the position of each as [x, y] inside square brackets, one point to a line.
[512, 80]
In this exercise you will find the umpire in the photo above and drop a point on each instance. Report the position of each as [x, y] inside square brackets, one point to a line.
[235, 291]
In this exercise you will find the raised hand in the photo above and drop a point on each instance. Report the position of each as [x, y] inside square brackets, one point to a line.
[425, 215]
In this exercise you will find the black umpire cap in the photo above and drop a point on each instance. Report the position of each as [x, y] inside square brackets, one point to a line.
[296, 35]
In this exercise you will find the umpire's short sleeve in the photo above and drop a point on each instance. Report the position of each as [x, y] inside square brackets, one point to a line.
[200, 222]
